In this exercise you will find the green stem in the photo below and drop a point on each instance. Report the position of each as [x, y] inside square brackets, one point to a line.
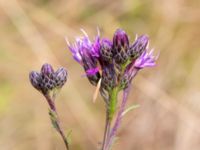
[106, 130]
[109, 115]
[113, 102]
[55, 120]
[63, 137]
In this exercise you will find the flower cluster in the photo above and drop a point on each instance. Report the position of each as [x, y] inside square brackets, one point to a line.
[110, 65]
[48, 80]
[115, 62]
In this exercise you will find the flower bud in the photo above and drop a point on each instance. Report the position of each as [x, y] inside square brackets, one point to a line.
[48, 80]
[120, 40]
[35, 80]
[138, 47]
[106, 50]
[89, 64]
[109, 78]
[120, 46]
[47, 70]
[60, 77]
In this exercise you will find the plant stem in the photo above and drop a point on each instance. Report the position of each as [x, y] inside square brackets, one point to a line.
[63, 136]
[106, 130]
[113, 131]
[55, 120]
[111, 109]
[113, 102]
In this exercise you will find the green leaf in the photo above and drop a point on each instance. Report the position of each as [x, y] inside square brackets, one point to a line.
[53, 118]
[132, 107]
[69, 133]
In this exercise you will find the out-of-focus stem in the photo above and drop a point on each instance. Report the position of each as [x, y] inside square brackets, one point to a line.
[106, 130]
[54, 114]
[63, 136]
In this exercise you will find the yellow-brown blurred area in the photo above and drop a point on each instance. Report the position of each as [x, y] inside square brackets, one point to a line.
[33, 32]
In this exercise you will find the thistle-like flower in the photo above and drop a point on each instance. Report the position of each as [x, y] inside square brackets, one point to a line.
[86, 53]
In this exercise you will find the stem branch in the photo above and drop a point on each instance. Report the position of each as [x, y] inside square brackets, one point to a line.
[111, 109]
[113, 131]
[106, 130]
[55, 120]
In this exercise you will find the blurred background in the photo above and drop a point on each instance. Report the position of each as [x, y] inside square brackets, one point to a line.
[33, 32]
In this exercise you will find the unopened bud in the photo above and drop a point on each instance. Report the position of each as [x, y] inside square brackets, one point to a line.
[120, 40]
[48, 80]
[106, 50]
[138, 47]
[120, 46]
[47, 70]
[35, 80]
[60, 77]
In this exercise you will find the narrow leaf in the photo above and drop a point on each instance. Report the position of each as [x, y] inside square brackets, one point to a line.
[132, 107]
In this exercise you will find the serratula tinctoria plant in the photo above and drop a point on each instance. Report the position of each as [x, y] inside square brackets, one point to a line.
[111, 65]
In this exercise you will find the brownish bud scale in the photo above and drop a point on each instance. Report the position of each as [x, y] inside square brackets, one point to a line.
[48, 83]
[121, 57]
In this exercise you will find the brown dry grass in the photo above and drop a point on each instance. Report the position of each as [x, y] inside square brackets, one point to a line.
[32, 32]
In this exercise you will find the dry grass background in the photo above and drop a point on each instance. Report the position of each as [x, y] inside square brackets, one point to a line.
[32, 32]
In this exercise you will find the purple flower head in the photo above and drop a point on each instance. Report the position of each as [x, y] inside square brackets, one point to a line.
[106, 42]
[87, 54]
[60, 77]
[120, 40]
[147, 59]
[93, 71]
[84, 44]
[96, 46]
[120, 46]
[35, 79]
[138, 47]
[91, 68]
[74, 48]
[109, 77]
[106, 50]
[47, 70]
